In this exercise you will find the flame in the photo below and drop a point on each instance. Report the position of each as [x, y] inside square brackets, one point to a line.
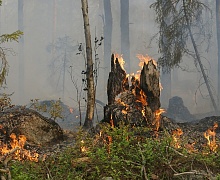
[120, 60]
[111, 122]
[17, 144]
[109, 144]
[157, 114]
[83, 148]
[145, 59]
[176, 136]
[71, 110]
[210, 136]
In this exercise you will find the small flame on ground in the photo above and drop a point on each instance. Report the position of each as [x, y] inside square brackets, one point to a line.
[83, 148]
[176, 137]
[112, 122]
[21, 153]
[156, 122]
[210, 135]
[71, 110]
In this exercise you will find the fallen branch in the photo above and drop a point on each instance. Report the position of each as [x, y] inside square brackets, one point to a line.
[9, 153]
[194, 172]
[5, 159]
[176, 151]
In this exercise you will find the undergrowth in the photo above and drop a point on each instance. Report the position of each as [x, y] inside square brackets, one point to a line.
[120, 153]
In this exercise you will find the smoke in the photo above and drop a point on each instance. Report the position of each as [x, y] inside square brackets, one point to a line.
[45, 22]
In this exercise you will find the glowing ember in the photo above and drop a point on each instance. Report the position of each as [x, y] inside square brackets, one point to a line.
[176, 137]
[20, 153]
[71, 110]
[210, 136]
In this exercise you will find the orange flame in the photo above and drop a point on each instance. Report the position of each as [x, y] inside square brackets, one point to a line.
[145, 59]
[176, 136]
[21, 153]
[210, 136]
[83, 148]
[120, 60]
[71, 110]
[157, 114]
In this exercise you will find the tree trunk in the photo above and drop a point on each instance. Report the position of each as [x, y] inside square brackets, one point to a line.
[21, 50]
[54, 26]
[218, 42]
[166, 85]
[89, 71]
[107, 36]
[125, 41]
[199, 61]
[165, 75]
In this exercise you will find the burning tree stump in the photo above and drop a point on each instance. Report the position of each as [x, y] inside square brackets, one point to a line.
[136, 102]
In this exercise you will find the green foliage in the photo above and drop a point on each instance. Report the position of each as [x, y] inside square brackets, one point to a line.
[120, 153]
[54, 108]
[173, 17]
[4, 64]
[11, 37]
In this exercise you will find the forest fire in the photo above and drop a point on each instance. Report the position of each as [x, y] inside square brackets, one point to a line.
[210, 135]
[16, 148]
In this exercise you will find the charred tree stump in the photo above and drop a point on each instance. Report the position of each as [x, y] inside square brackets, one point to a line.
[135, 102]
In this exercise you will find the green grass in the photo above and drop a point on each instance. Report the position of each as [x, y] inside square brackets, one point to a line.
[118, 153]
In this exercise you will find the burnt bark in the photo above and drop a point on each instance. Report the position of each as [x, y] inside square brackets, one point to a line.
[149, 83]
[117, 81]
[134, 104]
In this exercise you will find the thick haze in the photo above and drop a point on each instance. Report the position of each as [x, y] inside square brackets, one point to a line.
[44, 23]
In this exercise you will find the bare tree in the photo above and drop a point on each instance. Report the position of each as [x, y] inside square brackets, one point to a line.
[125, 40]
[107, 35]
[89, 69]
[218, 41]
[21, 48]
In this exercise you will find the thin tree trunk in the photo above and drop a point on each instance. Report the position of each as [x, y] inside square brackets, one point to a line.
[54, 26]
[64, 73]
[218, 42]
[89, 71]
[125, 40]
[165, 75]
[107, 37]
[21, 50]
[199, 61]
